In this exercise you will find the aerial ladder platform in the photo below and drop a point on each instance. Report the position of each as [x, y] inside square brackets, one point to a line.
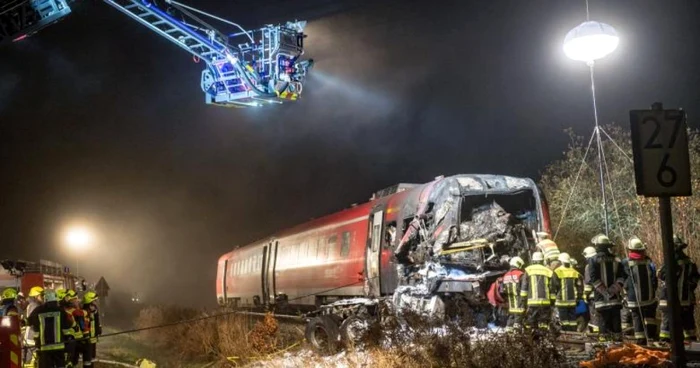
[246, 68]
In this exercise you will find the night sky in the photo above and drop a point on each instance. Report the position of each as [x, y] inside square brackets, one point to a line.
[103, 122]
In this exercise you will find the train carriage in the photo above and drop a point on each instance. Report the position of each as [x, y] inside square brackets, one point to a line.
[352, 253]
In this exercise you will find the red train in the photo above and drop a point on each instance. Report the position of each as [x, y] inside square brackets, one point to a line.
[351, 253]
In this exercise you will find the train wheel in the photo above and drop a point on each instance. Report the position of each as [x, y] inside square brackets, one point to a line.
[322, 333]
[353, 331]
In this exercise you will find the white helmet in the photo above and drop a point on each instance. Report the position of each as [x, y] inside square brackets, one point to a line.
[564, 258]
[589, 252]
[636, 244]
[517, 262]
[574, 262]
[537, 257]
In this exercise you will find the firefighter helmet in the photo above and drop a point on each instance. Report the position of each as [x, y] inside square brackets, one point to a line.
[601, 239]
[9, 294]
[574, 262]
[61, 293]
[36, 291]
[679, 243]
[50, 295]
[71, 295]
[537, 257]
[517, 262]
[564, 258]
[636, 244]
[542, 235]
[89, 297]
[589, 252]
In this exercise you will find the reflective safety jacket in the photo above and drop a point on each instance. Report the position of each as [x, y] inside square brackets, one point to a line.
[510, 290]
[80, 321]
[51, 326]
[607, 278]
[567, 286]
[687, 281]
[93, 315]
[536, 286]
[641, 282]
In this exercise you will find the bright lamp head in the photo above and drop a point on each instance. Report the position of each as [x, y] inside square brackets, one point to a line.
[590, 41]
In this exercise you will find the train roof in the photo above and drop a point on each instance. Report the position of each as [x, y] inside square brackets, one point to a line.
[469, 184]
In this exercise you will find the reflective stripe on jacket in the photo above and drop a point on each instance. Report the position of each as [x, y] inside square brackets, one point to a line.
[605, 271]
[641, 282]
[567, 286]
[51, 325]
[536, 286]
[687, 281]
[511, 291]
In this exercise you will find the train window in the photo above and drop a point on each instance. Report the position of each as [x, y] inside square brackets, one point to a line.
[390, 235]
[332, 240]
[345, 246]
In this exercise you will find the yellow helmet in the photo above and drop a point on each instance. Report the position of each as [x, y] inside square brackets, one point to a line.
[71, 295]
[636, 244]
[517, 262]
[36, 291]
[564, 258]
[60, 293]
[9, 294]
[537, 257]
[89, 297]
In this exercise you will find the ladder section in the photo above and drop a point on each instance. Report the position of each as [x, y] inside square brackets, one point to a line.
[198, 41]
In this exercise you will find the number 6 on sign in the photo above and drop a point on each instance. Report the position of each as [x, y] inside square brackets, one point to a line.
[660, 147]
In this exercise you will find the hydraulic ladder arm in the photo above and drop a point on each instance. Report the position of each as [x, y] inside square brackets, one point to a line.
[247, 68]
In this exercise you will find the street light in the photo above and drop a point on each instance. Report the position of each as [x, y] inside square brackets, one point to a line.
[78, 239]
[588, 42]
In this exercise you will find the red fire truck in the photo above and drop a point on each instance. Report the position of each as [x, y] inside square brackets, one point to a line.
[25, 274]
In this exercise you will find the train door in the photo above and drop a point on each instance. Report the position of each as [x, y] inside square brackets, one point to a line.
[269, 264]
[374, 250]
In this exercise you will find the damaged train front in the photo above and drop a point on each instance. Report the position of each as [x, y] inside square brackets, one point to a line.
[465, 230]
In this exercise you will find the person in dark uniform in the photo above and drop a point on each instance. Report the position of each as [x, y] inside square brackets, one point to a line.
[52, 327]
[607, 278]
[687, 282]
[640, 290]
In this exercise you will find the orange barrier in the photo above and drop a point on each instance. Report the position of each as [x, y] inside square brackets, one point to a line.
[628, 355]
[10, 342]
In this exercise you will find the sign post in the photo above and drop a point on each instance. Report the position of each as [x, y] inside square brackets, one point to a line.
[662, 169]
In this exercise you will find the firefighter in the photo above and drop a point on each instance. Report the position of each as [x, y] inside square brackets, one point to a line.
[640, 290]
[687, 282]
[607, 278]
[52, 326]
[535, 291]
[90, 306]
[550, 250]
[35, 299]
[82, 331]
[510, 290]
[588, 253]
[567, 287]
[9, 306]
[66, 298]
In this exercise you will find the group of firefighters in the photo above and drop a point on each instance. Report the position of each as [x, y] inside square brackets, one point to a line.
[611, 296]
[59, 326]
